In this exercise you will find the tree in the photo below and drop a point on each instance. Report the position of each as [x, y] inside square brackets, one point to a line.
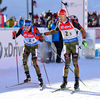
[2, 9]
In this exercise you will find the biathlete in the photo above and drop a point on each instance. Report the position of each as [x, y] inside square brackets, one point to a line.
[70, 42]
[31, 37]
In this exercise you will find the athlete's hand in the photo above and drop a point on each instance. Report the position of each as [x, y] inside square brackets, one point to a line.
[37, 37]
[45, 33]
[13, 34]
[84, 43]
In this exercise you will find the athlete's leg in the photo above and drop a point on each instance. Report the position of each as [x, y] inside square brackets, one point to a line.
[75, 56]
[37, 68]
[67, 64]
[34, 62]
[25, 66]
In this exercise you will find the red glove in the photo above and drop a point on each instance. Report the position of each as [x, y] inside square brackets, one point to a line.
[37, 37]
[14, 33]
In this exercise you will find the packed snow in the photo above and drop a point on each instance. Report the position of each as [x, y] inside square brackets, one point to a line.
[89, 74]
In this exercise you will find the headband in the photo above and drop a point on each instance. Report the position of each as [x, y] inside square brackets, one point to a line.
[27, 24]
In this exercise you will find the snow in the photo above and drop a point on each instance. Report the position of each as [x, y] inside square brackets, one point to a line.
[89, 74]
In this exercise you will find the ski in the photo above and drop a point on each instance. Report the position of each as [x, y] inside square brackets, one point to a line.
[60, 89]
[21, 84]
[75, 90]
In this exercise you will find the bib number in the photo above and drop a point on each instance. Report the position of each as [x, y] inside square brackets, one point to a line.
[30, 40]
[68, 33]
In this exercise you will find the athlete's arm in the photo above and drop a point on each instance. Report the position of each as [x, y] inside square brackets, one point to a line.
[79, 27]
[18, 33]
[54, 31]
[38, 34]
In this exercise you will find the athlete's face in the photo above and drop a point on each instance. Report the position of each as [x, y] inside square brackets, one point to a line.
[27, 28]
[62, 18]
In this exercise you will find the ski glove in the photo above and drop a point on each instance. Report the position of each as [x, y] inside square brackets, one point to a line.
[13, 34]
[84, 43]
[37, 37]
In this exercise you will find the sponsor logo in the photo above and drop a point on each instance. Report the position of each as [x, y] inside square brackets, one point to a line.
[28, 35]
[73, 4]
[65, 27]
[10, 50]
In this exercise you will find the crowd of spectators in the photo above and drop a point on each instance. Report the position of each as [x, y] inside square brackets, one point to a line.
[93, 19]
[43, 20]
[12, 22]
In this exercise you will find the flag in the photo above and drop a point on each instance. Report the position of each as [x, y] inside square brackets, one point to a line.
[34, 4]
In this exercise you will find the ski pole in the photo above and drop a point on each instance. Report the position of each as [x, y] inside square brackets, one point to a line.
[17, 62]
[65, 4]
[44, 68]
[64, 61]
[92, 49]
[45, 71]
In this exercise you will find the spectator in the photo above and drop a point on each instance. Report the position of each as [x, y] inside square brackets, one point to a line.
[55, 15]
[16, 24]
[5, 25]
[94, 22]
[45, 18]
[49, 16]
[10, 22]
[58, 42]
[36, 17]
[89, 22]
[14, 18]
[36, 23]
[39, 24]
[42, 20]
[49, 13]
[21, 22]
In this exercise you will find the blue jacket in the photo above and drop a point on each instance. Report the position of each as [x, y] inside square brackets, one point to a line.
[21, 23]
[55, 37]
[15, 26]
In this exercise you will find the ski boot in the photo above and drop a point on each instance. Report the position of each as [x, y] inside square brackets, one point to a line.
[40, 80]
[28, 78]
[64, 83]
[76, 85]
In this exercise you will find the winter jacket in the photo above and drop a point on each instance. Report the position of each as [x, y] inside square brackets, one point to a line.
[55, 37]
[21, 23]
[10, 22]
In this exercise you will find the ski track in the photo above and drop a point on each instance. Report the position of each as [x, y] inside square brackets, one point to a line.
[89, 74]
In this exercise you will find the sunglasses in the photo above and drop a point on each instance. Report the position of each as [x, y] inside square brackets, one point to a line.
[60, 15]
